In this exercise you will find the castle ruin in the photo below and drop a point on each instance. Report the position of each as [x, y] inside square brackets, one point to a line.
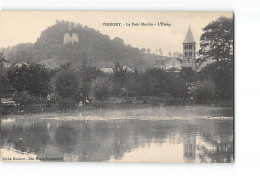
[68, 38]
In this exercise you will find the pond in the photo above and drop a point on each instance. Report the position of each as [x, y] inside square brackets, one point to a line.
[151, 134]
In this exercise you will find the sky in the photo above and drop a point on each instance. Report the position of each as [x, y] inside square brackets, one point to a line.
[26, 26]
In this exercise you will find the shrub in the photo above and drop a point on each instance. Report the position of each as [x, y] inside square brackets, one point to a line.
[203, 91]
[87, 74]
[175, 87]
[23, 98]
[100, 88]
[67, 104]
[66, 83]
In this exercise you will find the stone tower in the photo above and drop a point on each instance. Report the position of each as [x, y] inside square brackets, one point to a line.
[189, 51]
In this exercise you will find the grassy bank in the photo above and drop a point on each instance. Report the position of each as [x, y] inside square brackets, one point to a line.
[110, 103]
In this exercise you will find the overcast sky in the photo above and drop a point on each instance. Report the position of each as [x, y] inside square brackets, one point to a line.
[23, 27]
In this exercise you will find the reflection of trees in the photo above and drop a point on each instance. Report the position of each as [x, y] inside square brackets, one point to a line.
[218, 133]
[96, 141]
[161, 131]
[2, 134]
[23, 139]
[100, 140]
[121, 140]
[15, 136]
[36, 137]
[222, 153]
[66, 136]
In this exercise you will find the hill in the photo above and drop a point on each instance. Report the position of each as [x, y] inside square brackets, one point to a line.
[72, 42]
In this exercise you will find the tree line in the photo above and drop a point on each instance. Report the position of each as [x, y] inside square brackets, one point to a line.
[69, 84]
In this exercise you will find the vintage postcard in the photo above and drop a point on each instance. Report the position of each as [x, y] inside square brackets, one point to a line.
[106, 86]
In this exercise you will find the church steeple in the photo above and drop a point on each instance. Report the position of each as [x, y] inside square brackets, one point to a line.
[189, 50]
[189, 37]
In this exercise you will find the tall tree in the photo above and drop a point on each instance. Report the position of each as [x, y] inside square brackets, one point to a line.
[87, 74]
[119, 78]
[2, 59]
[170, 54]
[66, 83]
[160, 51]
[143, 50]
[217, 40]
[29, 77]
[217, 43]
[119, 74]
[188, 75]
[100, 88]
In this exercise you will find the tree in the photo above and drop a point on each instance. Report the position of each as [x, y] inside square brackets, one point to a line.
[188, 75]
[160, 51]
[119, 78]
[203, 91]
[152, 82]
[148, 50]
[158, 82]
[216, 44]
[217, 40]
[2, 68]
[175, 87]
[2, 59]
[32, 78]
[221, 73]
[143, 50]
[170, 54]
[87, 74]
[119, 74]
[66, 83]
[100, 88]
[133, 84]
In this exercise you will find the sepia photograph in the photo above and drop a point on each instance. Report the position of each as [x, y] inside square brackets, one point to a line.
[117, 86]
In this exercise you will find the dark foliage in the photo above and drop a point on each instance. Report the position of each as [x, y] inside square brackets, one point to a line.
[100, 88]
[119, 78]
[188, 75]
[67, 103]
[32, 78]
[217, 43]
[87, 74]
[203, 91]
[217, 40]
[66, 83]
[156, 82]
[221, 73]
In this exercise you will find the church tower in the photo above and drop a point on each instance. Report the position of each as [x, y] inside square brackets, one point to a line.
[189, 51]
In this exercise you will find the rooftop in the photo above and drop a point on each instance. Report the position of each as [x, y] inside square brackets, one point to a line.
[189, 37]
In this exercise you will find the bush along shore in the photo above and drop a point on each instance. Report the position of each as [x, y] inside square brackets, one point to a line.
[109, 103]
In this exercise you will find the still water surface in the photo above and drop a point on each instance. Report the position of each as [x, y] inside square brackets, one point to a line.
[158, 134]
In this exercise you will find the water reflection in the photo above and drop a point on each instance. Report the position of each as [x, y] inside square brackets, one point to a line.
[132, 140]
[189, 146]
